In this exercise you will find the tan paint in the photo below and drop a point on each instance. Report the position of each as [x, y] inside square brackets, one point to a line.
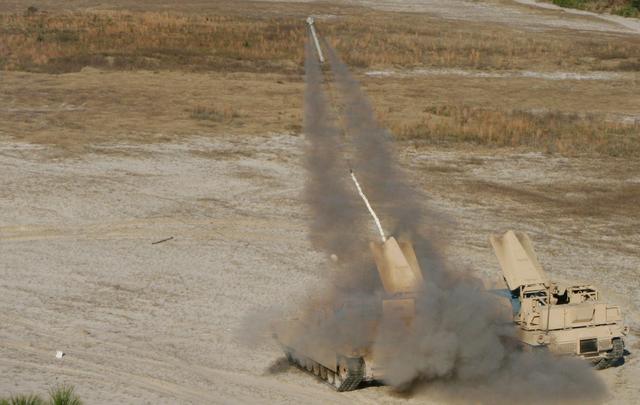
[397, 266]
[519, 263]
[567, 320]
[400, 278]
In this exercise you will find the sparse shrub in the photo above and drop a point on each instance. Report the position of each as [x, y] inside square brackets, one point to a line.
[64, 395]
[59, 395]
[31, 10]
[23, 400]
[225, 114]
[554, 132]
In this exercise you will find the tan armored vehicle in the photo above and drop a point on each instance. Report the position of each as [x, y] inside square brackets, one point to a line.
[312, 343]
[566, 320]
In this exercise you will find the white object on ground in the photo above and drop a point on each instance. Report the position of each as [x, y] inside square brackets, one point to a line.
[59, 354]
[500, 74]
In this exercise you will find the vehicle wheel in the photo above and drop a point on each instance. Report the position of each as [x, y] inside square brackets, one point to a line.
[331, 377]
[301, 362]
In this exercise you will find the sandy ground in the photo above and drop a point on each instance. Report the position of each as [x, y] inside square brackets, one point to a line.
[526, 14]
[632, 24]
[531, 16]
[144, 323]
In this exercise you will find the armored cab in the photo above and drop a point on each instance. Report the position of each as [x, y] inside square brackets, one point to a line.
[569, 320]
[318, 342]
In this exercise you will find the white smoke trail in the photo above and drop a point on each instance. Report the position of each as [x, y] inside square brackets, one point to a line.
[371, 211]
[457, 337]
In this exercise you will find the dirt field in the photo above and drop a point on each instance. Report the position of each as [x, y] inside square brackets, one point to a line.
[97, 165]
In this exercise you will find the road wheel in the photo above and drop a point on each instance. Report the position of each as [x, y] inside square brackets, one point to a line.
[331, 377]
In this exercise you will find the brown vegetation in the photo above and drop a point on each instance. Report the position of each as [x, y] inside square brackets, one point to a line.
[65, 42]
[267, 43]
[554, 132]
[407, 40]
[225, 114]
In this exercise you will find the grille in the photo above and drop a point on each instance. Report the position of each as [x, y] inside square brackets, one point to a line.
[589, 346]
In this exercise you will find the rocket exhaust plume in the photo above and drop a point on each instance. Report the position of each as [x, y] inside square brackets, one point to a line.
[371, 211]
[455, 349]
[455, 346]
[336, 226]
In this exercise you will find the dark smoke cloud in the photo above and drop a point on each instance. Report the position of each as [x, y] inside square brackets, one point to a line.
[402, 206]
[373, 153]
[278, 366]
[336, 225]
[454, 349]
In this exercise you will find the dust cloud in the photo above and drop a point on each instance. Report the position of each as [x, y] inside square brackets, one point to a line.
[336, 225]
[455, 349]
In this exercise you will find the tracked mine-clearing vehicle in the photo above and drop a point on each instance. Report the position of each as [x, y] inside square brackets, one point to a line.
[569, 320]
[312, 344]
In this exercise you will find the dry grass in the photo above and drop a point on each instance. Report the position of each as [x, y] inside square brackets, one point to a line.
[270, 48]
[65, 42]
[224, 114]
[77, 112]
[567, 134]
[122, 40]
[59, 395]
[407, 40]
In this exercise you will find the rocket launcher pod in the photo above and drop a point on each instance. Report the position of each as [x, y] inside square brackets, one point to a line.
[569, 320]
[397, 266]
[314, 343]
